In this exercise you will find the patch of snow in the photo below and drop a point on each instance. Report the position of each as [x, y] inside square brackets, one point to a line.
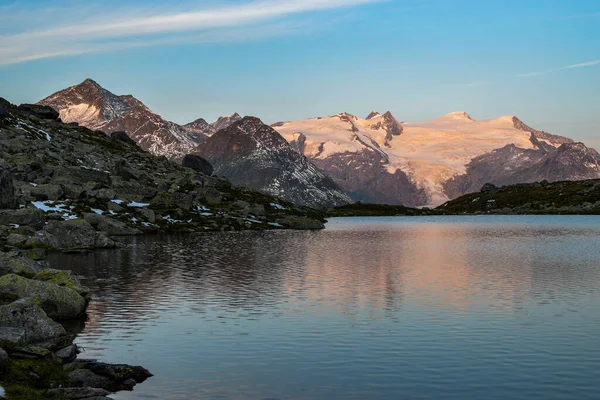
[14, 226]
[33, 184]
[277, 206]
[207, 214]
[275, 224]
[112, 212]
[97, 211]
[138, 205]
[117, 201]
[48, 137]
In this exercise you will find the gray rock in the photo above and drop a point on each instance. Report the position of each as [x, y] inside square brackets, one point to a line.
[14, 262]
[3, 360]
[63, 278]
[50, 192]
[42, 240]
[210, 195]
[25, 216]
[12, 337]
[197, 163]
[7, 190]
[14, 239]
[28, 315]
[59, 303]
[130, 383]
[77, 393]
[77, 234]
[489, 188]
[110, 225]
[119, 372]
[148, 214]
[68, 354]
[86, 378]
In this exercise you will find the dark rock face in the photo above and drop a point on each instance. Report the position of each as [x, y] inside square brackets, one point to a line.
[123, 137]
[7, 190]
[489, 188]
[197, 163]
[364, 177]
[510, 165]
[253, 154]
[41, 111]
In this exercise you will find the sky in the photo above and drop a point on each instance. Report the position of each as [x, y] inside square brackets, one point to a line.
[293, 59]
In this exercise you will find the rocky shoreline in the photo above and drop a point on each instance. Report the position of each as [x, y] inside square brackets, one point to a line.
[38, 357]
[65, 188]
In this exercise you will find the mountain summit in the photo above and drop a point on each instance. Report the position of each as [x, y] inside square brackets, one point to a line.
[94, 107]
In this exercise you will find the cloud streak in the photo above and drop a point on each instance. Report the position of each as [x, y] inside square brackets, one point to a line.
[137, 28]
[573, 66]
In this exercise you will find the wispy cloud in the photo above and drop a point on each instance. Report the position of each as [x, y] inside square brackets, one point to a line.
[128, 27]
[547, 71]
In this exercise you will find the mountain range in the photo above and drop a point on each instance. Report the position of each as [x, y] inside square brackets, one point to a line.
[373, 160]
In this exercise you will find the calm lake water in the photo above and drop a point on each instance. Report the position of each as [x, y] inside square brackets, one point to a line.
[370, 308]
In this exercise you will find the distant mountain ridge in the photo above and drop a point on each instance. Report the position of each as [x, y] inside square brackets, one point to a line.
[378, 160]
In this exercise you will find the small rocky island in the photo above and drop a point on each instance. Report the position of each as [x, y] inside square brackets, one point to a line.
[67, 188]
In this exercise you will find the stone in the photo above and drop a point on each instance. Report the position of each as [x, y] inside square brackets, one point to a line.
[130, 383]
[489, 188]
[25, 216]
[28, 315]
[210, 196]
[170, 201]
[15, 239]
[124, 170]
[119, 372]
[122, 136]
[77, 393]
[63, 278]
[42, 240]
[68, 354]
[59, 303]
[148, 214]
[7, 190]
[197, 163]
[86, 378]
[77, 234]
[110, 225]
[49, 192]
[14, 262]
[3, 360]
[11, 337]
[43, 112]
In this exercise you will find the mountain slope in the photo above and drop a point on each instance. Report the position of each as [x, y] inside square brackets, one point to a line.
[200, 126]
[251, 153]
[380, 160]
[96, 108]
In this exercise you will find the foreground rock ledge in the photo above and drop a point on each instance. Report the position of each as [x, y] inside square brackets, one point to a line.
[38, 359]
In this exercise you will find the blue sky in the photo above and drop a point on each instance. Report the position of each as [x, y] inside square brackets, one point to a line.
[293, 59]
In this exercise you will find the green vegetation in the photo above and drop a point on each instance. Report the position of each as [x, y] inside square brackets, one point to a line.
[29, 379]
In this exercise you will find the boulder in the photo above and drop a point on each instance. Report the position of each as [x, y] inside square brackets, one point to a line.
[119, 372]
[489, 188]
[210, 196]
[110, 225]
[3, 113]
[77, 393]
[122, 136]
[27, 314]
[77, 234]
[16, 240]
[68, 354]
[86, 378]
[170, 201]
[43, 112]
[125, 171]
[23, 217]
[197, 163]
[59, 303]
[12, 337]
[64, 279]
[49, 192]
[42, 240]
[7, 190]
[3, 360]
[14, 262]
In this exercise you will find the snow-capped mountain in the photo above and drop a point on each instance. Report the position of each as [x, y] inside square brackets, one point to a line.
[253, 154]
[94, 107]
[380, 160]
[202, 127]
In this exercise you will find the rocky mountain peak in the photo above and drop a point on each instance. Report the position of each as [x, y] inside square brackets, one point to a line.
[373, 114]
[224, 122]
[458, 115]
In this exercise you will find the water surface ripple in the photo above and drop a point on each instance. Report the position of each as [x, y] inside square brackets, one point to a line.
[370, 308]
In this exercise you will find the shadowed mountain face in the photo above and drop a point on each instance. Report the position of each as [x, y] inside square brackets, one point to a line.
[253, 154]
[96, 108]
[380, 160]
[202, 127]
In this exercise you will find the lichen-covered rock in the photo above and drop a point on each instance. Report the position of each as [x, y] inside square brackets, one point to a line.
[119, 372]
[77, 234]
[50, 192]
[110, 225]
[17, 240]
[59, 303]
[68, 353]
[15, 263]
[27, 314]
[42, 240]
[170, 201]
[23, 217]
[11, 337]
[63, 278]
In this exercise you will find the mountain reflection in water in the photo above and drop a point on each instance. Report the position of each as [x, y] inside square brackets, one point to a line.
[382, 308]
